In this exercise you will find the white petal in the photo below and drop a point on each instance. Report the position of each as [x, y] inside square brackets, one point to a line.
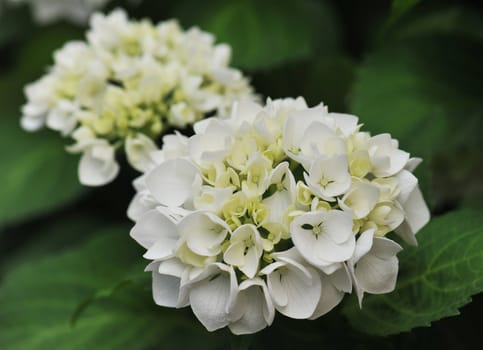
[163, 248]
[385, 248]
[212, 198]
[330, 297]
[346, 123]
[152, 227]
[413, 163]
[278, 203]
[282, 170]
[171, 267]
[245, 249]
[210, 299]
[174, 146]
[341, 279]
[376, 272]
[282, 175]
[32, 123]
[212, 144]
[175, 268]
[252, 258]
[363, 245]
[175, 214]
[302, 296]
[296, 125]
[333, 170]
[203, 232]
[62, 118]
[328, 250]
[338, 225]
[407, 184]
[386, 158]
[277, 291]
[355, 282]
[97, 165]
[138, 150]
[375, 275]
[200, 126]
[139, 205]
[257, 306]
[304, 240]
[234, 255]
[361, 199]
[416, 216]
[405, 232]
[290, 256]
[320, 140]
[152, 266]
[165, 289]
[293, 260]
[171, 182]
[244, 111]
[334, 243]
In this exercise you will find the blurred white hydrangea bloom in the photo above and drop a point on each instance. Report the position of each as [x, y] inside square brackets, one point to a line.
[48, 11]
[277, 207]
[127, 84]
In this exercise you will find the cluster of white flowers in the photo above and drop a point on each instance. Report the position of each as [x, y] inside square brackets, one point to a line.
[126, 85]
[277, 207]
[76, 11]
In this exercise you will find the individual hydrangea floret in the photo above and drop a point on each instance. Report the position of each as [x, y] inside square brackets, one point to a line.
[126, 85]
[276, 208]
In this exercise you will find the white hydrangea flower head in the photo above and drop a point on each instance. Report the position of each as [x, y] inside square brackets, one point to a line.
[75, 11]
[279, 207]
[127, 84]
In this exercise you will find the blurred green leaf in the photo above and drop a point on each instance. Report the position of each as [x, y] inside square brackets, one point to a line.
[426, 92]
[400, 7]
[426, 72]
[21, 243]
[100, 294]
[15, 23]
[326, 79]
[36, 54]
[36, 173]
[436, 278]
[452, 20]
[265, 33]
[38, 300]
[393, 93]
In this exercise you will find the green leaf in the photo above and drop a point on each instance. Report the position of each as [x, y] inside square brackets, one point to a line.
[98, 295]
[448, 20]
[36, 54]
[327, 79]
[393, 94]
[424, 77]
[399, 8]
[15, 23]
[435, 280]
[426, 92]
[39, 299]
[21, 243]
[36, 173]
[265, 33]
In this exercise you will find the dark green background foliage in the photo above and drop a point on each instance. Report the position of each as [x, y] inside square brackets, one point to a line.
[70, 276]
